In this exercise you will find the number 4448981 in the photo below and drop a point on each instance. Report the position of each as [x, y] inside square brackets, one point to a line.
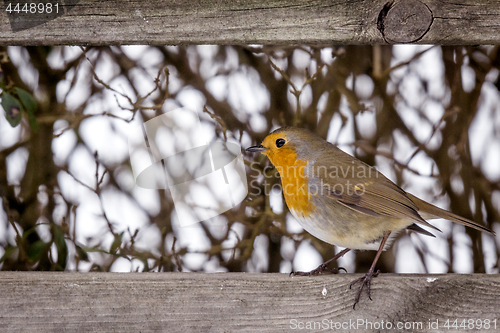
[471, 324]
[33, 8]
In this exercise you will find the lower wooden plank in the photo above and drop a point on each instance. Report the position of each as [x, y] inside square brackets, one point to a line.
[229, 302]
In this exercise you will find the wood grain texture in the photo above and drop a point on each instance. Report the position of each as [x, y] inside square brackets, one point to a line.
[230, 302]
[91, 22]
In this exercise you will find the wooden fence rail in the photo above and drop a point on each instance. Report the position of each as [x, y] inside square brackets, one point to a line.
[325, 22]
[234, 302]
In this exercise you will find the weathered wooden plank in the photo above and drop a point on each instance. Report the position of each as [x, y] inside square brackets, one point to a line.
[230, 302]
[92, 22]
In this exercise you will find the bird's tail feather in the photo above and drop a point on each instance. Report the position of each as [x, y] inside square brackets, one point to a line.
[436, 212]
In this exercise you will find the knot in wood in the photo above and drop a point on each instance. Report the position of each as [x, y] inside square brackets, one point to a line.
[404, 21]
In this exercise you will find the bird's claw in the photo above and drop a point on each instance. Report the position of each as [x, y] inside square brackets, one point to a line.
[321, 269]
[365, 281]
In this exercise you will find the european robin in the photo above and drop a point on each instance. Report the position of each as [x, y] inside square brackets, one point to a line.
[344, 201]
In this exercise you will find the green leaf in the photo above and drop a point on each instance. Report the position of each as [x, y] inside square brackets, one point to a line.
[28, 101]
[8, 251]
[37, 249]
[81, 253]
[2, 75]
[116, 243]
[30, 106]
[13, 109]
[62, 248]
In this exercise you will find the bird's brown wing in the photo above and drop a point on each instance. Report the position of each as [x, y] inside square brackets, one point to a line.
[371, 192]
[374, 197]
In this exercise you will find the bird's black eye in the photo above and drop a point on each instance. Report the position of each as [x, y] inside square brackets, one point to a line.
[280, 143]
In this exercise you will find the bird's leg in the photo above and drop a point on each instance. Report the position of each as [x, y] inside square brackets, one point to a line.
[323, 267]
[366, 280]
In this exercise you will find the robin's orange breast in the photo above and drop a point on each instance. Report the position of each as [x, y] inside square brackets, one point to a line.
[294, 181]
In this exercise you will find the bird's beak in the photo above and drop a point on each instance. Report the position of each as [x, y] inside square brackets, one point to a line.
[256, 149]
